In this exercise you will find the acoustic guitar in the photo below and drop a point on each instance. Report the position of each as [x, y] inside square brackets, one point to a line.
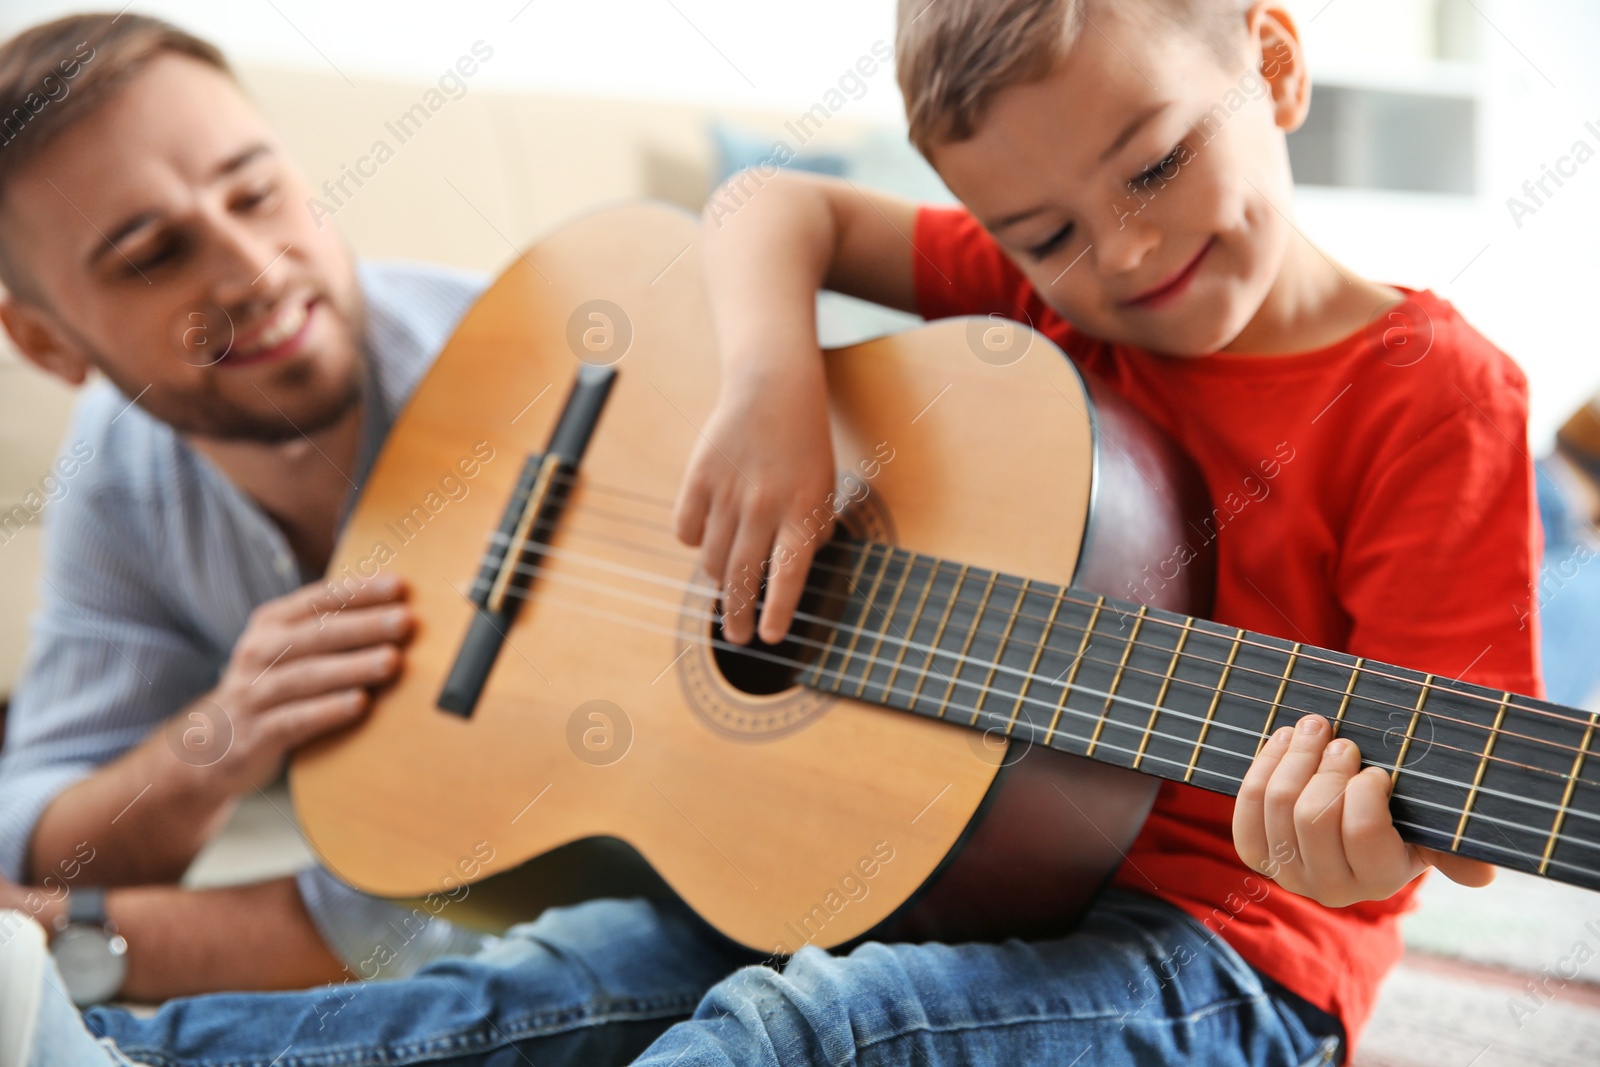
[965, 728]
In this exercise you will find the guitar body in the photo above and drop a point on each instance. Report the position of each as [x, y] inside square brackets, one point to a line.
[781, 817]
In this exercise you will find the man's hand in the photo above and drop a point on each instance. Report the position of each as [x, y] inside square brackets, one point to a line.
[1313, 821]
[303, 667]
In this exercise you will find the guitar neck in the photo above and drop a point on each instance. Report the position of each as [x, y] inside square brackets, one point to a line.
[1488, 774]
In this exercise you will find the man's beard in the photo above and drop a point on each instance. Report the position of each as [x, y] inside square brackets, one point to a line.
[242, 425]
[311, 406]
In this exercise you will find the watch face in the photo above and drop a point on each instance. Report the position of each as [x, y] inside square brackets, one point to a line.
[92, 962]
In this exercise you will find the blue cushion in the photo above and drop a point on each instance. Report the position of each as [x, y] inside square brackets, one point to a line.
[737, 150]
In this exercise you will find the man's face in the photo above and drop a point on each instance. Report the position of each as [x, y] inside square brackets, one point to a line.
[1135, 185]
[167, 239]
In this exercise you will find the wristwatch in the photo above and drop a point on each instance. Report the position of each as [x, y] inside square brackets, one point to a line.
[91, 955]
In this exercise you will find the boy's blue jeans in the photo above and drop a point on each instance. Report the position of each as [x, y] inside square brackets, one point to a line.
[620, 981]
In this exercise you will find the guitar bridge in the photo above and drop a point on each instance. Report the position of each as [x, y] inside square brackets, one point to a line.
[529, 517]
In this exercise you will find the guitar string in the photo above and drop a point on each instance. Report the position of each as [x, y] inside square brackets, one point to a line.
[1475, 816]
[1071, 629]
[563, 478]
[987, 690]
[1066, 596]
[1190, 656]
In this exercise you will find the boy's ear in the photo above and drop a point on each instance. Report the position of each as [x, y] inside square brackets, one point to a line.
[41, 341]
[1275, 42]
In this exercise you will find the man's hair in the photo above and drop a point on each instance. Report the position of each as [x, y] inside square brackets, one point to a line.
[53, 74]
[954, 56]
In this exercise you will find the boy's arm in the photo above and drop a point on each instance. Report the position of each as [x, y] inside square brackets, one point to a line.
[764, 464]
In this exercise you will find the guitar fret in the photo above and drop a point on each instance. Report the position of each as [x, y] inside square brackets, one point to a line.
[1411, 728]
[999, 651]
[1033, 664]
[1277, 700]
[833, 631]
[1344, 703]
[1483, 765]
[1161, 695]
[1566, 796]
[966, 646]
[938, 633]
[888, 621]
[1116, 679]
[916, 617]
[1072, 671]
[861, 623]
[1216, 697]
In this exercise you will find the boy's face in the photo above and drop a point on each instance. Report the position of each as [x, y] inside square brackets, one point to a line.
[166, 228]
[1138, 185]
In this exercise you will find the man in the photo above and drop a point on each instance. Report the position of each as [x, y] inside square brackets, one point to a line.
[153, 229]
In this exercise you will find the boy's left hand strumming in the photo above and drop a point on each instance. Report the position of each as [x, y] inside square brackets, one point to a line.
[1311, 819]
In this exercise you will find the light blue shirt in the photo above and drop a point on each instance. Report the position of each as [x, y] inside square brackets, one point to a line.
[153, 561]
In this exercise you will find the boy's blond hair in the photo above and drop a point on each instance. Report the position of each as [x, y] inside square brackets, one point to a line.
[953, 56]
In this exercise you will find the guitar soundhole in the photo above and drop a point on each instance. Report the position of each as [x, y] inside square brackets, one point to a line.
[760, 692]
[762, 669]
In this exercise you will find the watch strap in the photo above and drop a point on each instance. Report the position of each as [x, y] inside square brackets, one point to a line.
[87, 905]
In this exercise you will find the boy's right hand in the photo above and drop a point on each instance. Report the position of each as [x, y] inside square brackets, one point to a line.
[756, 495]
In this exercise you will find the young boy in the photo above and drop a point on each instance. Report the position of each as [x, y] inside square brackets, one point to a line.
[1125, 188]
[1125, 184]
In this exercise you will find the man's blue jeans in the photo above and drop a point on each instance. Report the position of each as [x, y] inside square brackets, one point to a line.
[619, 981]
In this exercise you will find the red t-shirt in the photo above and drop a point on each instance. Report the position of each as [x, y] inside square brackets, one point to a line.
[1401, 528]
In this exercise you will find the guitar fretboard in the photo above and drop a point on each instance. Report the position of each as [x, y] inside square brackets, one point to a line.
[1489, 774]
